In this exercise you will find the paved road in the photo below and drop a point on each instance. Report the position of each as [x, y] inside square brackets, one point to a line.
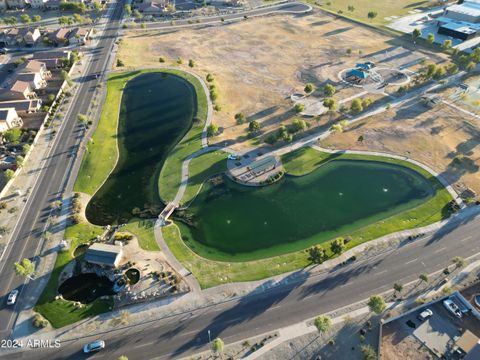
[52, 180]
[290, 8]
[186, 334]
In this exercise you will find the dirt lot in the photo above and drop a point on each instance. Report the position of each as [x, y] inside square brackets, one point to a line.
[260, 62]
[442, 137]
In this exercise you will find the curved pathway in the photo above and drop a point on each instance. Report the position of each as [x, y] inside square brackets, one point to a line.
[440, 178]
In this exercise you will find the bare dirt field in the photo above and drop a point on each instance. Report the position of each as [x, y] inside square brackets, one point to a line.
[260, 62]
[442, 138]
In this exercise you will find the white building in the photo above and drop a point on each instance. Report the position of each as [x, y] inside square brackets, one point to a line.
[37, 4]
[9, 119]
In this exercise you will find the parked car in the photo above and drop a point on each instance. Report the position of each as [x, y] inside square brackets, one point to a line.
[425, 314]
[452, 307]
[94, 346]
[3, 51]
[12, 297]
[232, 157]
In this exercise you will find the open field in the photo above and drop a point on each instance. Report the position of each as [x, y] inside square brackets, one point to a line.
[210, 273]
[442, 138]
[257, 64]
[383, 8]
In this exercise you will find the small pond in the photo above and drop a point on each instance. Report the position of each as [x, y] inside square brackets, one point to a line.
[86, 288]
[133, 275]
[157, 110]
[237, 223]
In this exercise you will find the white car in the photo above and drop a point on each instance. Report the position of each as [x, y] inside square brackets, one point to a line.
[232, 157]
[94, 346]
[425, 314]
[452, 307]
[12, 297]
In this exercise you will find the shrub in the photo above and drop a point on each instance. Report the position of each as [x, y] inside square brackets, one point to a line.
[39, 321]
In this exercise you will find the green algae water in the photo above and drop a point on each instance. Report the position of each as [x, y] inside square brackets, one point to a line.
[157, 110]
[238, 223]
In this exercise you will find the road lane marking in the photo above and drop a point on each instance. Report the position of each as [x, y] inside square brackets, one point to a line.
[411, 261]
[381, 272]
[465, 239]
[440, 250]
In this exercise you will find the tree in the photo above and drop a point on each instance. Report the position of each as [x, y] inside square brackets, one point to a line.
[351, 8]
[298, 107]
[337, 246]
[368, 352]
[317, 255]
[24, 268]
[128, 10]
[82, 118]
[366, 102]
[397, 287]
[431, 38]
[459, 262]
[217, 345]
[376, 304]
[471, 66]
[336, 128]
[36, 18]
[323, 324]
[212, 129]
[161, 59]
[19, 160]
[97, 5]
[210, 78]
[416, 34]
[356, 106]
[240, 118]
[447, 44]
[329, 90]
[431, 68]
[309, 88]
[191, 63]
[9, 174]
[137, 14]
[12, 135]
[423, 278]
[254, 127]
[26, 149]
[24, 18]
[120, 63]
[372, 15]
[452, 69]
[331, 104]
[348, 51]
[299, 125]
[439, 73]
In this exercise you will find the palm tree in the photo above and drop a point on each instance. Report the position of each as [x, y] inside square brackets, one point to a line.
[323, 324]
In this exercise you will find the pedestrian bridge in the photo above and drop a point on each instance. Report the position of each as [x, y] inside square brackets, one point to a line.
[166, 212]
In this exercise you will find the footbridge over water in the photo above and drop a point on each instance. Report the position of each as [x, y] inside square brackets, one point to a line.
[166, 212]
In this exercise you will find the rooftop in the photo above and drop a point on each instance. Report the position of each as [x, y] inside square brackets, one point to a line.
[471, 8]
[103, 254]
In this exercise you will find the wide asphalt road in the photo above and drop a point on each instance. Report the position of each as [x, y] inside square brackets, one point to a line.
[289, 8]
[52, 179]
[186, 334]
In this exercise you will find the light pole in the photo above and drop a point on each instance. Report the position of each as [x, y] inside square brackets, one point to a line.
[209, 339]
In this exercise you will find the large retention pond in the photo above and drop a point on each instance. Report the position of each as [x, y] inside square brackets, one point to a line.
[156, 112]
[234, 222]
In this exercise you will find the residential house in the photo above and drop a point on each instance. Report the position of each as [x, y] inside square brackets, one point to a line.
[104, 255]
[9, 37]
[16, 4]
[52, 4]
[59, 36]
[17, 90]
[78, 36]
[52, 59]
[9, 119]
[38, 4]
[153, 8]
[35, 80]
[29, 36]
[23, 106]
[34, 66]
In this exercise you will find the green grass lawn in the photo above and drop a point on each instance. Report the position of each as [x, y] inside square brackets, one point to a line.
[201, 169]
[143, 230]
[383, 8]
[211, 273]
[63, 312]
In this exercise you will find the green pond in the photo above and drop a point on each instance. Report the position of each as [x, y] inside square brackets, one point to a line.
[238, 223]
[156, 112]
